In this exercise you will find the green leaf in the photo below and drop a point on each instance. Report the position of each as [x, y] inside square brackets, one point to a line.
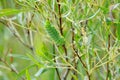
[28, 75]
[118, 31]
[22, 72]
[33, 59]
[105, 10]
[108, 21]
[6, 12]
[19, 56]
[40, 71]
[53, 33]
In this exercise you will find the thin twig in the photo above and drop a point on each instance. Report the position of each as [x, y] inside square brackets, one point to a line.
[83, 64]
[29, 32]
[108, 71]
[61, 32]
[60, 27]
[83, 32]
[74, 55]
[15, 33]
[111, 39]
[55, 62]
[60, 18]
[13, 69]
[66, 74]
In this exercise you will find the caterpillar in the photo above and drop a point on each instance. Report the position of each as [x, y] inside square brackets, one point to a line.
[53, 33]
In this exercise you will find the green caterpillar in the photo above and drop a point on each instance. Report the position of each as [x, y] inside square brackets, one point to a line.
[53, 33]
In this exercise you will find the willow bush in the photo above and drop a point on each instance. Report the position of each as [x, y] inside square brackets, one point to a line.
[59, 40]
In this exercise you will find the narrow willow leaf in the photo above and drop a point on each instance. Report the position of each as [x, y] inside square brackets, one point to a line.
[40, 71]
[116, 5]
[19, 56]
[118, 31]
[22, 72]
[6, 12]
[34, 60]
[53, 33]
[28, 75]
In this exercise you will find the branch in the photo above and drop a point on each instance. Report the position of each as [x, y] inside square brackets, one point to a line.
[73, 46]
[108, 71]
[16, 34]
[83, 64]
[111, 37]
[60, 18]
[12, 68]
[55, 62]
[29, 32]
[61, 32]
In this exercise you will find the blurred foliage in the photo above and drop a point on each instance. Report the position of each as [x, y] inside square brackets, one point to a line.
[82, 38]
